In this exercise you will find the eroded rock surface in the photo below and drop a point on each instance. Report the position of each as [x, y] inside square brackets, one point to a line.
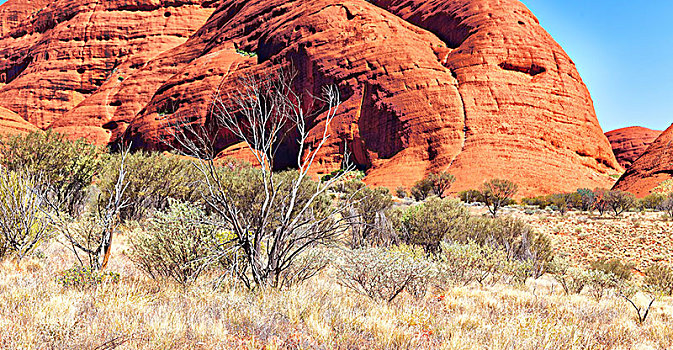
[475, 87]
[629, 143]
[653, 167]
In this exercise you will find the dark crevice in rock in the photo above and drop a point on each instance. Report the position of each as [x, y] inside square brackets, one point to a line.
[8, 75]
[531, 70]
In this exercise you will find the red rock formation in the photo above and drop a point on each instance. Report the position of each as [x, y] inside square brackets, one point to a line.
[629, 143]
[652, 168]
[11, 123]
[473, 86]
[71, 50]
[14, 12]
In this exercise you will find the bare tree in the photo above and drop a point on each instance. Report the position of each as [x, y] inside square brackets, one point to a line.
[276, 217]
[22, 224]
[496, 193]
[90, 238]
[620, 201]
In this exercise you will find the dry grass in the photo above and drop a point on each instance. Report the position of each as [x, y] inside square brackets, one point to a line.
[138, 313]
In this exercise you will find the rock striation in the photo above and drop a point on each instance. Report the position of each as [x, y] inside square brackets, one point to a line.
[15, 12]
[11, 123]
[653, 167]
[475, 87]
[629, 143]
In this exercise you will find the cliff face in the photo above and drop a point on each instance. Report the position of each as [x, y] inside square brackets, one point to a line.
[630, 143]
[653, 167]
[70, 50]
[475, 87]
[14, 12]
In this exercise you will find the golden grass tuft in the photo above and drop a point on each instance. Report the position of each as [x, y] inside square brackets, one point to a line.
[139, 313]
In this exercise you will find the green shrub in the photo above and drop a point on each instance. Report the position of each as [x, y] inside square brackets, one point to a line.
[587, 199]
[441, 182]
[401, 192]
[153, 179]
[652, 201]
[427, 224]
[175, 244]
[23, 225]
[65, 167]
[571, 278]
[368, 221]
[470, 262]
[600, 282]
[621, 271]
[421, 189]
[80, 277]
[659, 278]
[382, 274]
[518, 240]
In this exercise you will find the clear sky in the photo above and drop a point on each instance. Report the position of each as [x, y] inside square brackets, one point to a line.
[623, 50]
[624, 53]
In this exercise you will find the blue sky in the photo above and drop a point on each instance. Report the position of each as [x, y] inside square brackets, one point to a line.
[624, 53]
[623, 50]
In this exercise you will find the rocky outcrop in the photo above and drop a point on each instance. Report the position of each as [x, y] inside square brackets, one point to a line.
[653, 167]
[11, 123]
[75, 50]
[15, 12]
[475, 87]
[629, 143]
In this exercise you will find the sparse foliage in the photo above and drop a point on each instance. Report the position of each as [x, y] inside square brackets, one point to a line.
[382, 274]
[65, 168]
[427, 224]
[368, 217]
[441, 182]
[273, 218]
[496, 193]
[421, 189]
[659, 279]
[22, 222]
[619, 201]
[175, 243]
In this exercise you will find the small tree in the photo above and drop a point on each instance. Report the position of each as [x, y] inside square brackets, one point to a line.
[667, 206]
[562, 201]
[90, 237]
[422, 189]
[274, 218]
[441, 182]
[619, 201]
[496, 193]
[587, 199]
[601, 200]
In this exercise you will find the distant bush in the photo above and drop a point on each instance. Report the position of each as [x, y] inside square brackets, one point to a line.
[541, 202]
[427, 224]
[65, 168]
[436, 183]
[421, 189]
[401, 192]
[153, 179]
[652, 201]
[382, 274]
[80, 277]
[619, 201]
[621, 270]
[175, 244]
[659, 278]
[587, 199]
[497, 193]
[470, 196]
